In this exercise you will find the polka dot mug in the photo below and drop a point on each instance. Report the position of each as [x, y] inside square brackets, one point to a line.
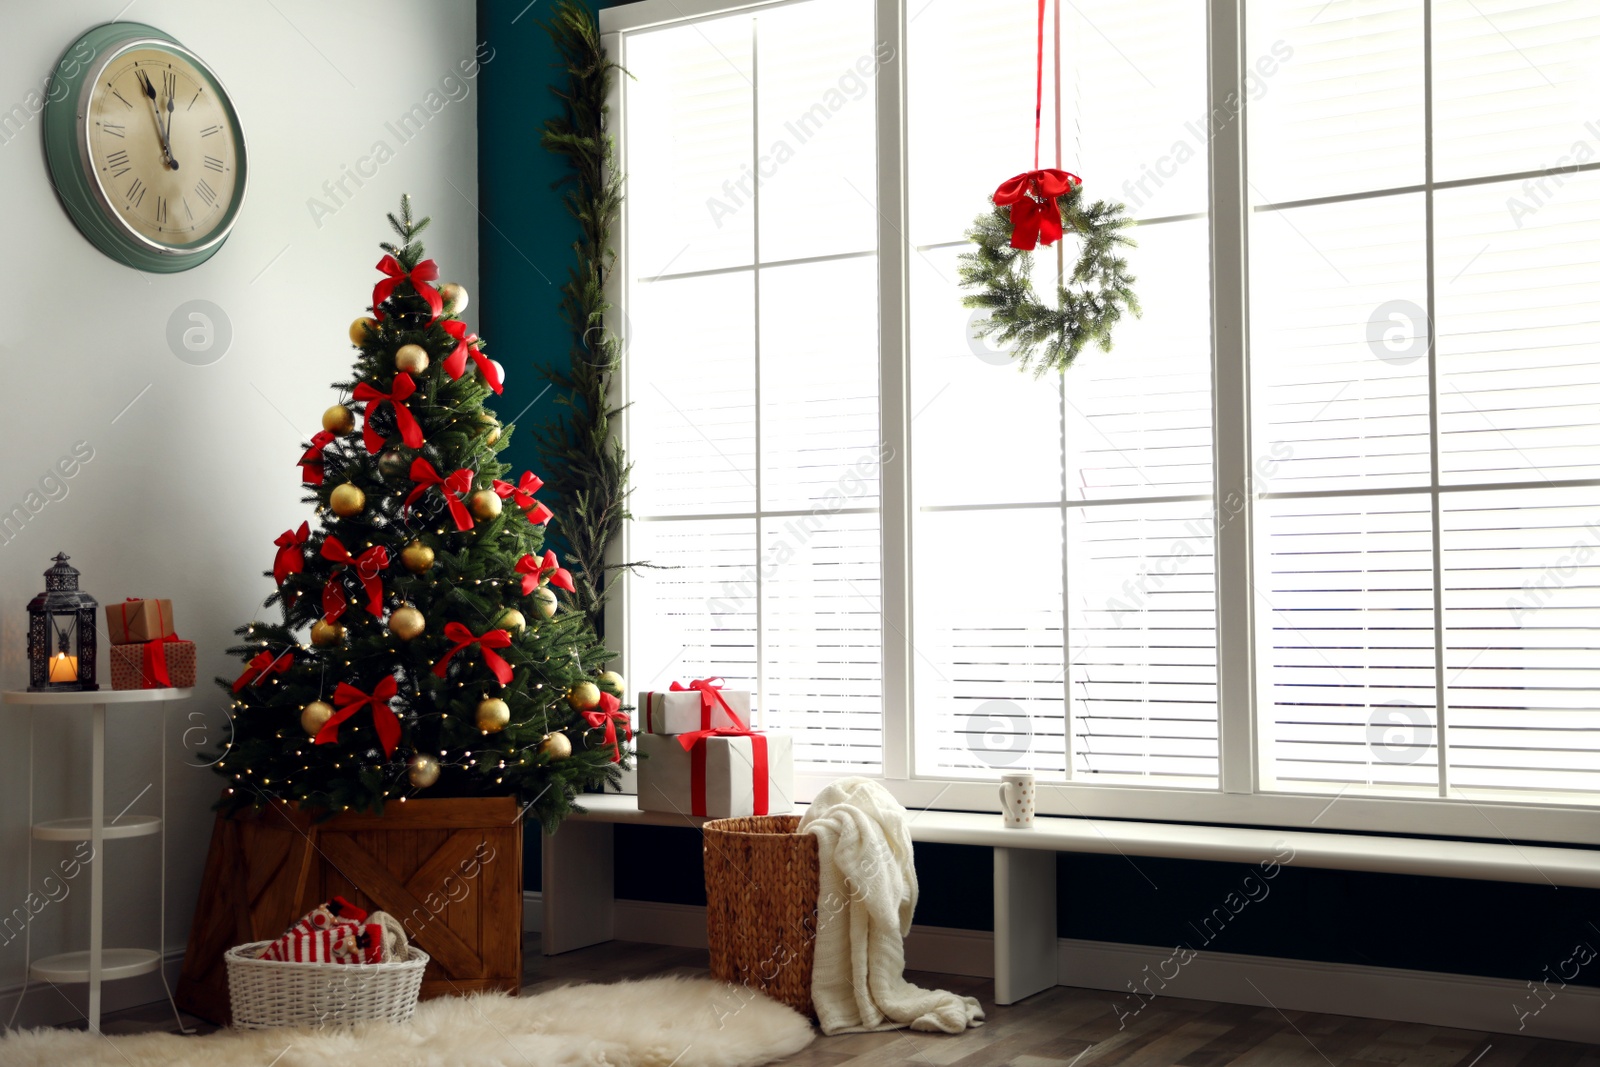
[1016, 800]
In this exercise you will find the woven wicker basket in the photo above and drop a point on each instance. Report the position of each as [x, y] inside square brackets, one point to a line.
[271, 993]
[761, 905]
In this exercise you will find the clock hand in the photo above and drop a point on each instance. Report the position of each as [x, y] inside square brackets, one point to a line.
[170, 158]
[150, 91]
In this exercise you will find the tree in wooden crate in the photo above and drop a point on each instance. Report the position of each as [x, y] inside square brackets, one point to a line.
[440, 658]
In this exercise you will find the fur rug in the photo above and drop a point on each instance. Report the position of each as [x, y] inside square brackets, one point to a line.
[657, 1022]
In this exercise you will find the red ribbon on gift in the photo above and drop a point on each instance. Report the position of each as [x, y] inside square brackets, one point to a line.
[452, 487]
[419, 277]
[349, 700]
[410, 431]
[154, 675]
[291, 557]
[367, 565]
[694, 744]
[455, 363]
[311, 462]
[263, 664]
[709, 690]
[488, 642]
[521, 494]
[609, 714]
[1035, 215]
[533, 569]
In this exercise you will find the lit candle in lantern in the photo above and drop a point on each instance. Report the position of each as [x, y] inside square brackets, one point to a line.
[63, 668]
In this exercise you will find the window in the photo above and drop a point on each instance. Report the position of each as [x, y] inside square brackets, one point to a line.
[1311, 546]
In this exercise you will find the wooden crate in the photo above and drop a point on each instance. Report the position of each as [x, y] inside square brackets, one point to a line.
[450, 869]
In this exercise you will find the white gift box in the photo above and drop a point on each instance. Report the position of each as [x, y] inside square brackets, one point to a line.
[666, 775]
[680, 712]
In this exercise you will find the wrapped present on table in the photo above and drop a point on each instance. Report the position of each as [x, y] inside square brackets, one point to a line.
[165, 664]
[700, 705]
[134, 621]
[720, 773]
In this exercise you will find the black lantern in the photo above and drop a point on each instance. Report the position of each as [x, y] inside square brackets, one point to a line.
[61, 633]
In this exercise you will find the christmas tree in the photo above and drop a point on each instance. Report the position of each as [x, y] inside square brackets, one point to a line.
[441, 661]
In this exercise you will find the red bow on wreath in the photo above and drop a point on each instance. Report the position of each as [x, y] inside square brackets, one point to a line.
[419, 277]
[455, 363]
[490, 641]
[452, 487]
[367, 565]
[262, 665]
[410, 432]
[311, 462]
[521, 494]
[533, 569]
[291, 557]
[609, 714]
[1035, 215]
[349, 700]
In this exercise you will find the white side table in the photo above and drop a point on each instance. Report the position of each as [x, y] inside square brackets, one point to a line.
[98, 964]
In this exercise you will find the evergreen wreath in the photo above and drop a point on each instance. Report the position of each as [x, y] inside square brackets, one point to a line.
[1090, 301]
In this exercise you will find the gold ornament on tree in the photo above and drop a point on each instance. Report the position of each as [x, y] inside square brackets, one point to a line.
[325, 634]
[423, 770]
[407, 622]
[314, 715]
[493, 715]
[611, 682]
[583, 696]
[339, 419]
[392, 463]
[512, 619]
[454, 296]
[361, 329]
[555, 747]
[485, 504]
[493, 425]
[416, 557]
[347, 500]
[544, 601]
[413, 359]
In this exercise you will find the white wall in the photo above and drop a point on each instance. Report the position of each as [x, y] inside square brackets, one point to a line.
[188, 487]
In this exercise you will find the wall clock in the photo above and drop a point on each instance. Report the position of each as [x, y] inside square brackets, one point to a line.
[145, 148]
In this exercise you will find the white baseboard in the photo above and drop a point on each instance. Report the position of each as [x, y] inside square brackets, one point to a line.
[55, 1005]
[1466, 1002]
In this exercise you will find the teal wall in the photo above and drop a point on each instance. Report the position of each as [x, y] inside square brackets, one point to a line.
[1447, 925]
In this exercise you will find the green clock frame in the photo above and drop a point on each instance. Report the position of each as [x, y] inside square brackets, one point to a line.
[66, 145]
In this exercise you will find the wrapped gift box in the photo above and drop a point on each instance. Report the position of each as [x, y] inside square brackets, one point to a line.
[727, 782]
[132, 665]
[688, 710]
[133, 621]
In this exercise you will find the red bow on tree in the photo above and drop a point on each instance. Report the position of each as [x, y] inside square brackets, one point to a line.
[533, 569]
[311, 462]
[1035, 215]
[458, 482]
[522, 495]
[455, 363]
[291, 557]
[410, 432]
[490, 641]
[349, 700]
[263, 664]
[367, 565]
[609, 714]
[419, 277]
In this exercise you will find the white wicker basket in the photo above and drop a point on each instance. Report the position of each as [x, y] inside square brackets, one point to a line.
[271, 993]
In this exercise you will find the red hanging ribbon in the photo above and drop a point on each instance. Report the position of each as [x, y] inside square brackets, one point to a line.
[367, 565]
[694, 744]
[488, 642]
[291, 557]
[609, 715]
[533, 569]
[263, 664]
[1035, 215]
[521, 494]
[451, 488]
[709, 690]
[153, 653]
[455, 363]
[311, 461]
[349, 700]
[410, 432]
[419, 277]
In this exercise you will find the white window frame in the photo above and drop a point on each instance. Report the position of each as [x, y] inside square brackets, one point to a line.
[1236, 801]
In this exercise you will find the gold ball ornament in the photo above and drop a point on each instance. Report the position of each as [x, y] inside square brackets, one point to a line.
[406, 622]
[347, 500]
[413, 359]
[544, 601]
[362, 329]
[512, 619]
[611, 682]
[339, 419]
[555, 747]
[493, 425]
[485, 504]
[392, 463]
[583, 696]
[493, 715]
[455, 297]
[314, 716]
[423, 770]
[416, 557]
[325, 634]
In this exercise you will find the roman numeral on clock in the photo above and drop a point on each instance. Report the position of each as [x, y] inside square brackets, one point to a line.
[204, 192]
[114, 129]
[169, 83]
[119, 96]
[213, 163]
[207, 131]
[118, 163]
[135, 194]
[161, 209]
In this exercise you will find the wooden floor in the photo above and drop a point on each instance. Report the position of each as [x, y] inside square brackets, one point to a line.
[1069, 1028]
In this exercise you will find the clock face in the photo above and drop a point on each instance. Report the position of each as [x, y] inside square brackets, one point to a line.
[162, 146]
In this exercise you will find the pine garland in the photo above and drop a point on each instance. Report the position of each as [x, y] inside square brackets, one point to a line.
[1089, 302]
[586, 464]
